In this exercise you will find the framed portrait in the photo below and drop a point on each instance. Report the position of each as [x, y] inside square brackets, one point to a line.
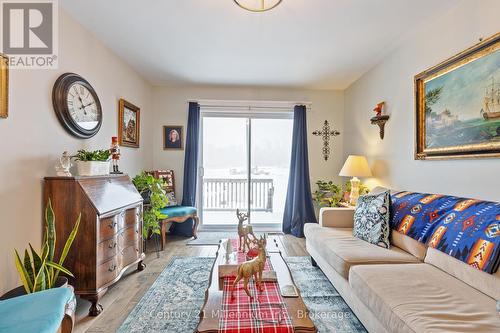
[173, 137]
[129, 124]
[4, 86]
[457, 105]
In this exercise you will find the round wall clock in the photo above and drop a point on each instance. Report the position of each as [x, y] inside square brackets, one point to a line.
[77, 106]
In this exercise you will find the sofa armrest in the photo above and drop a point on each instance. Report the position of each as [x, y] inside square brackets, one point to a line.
[336, 217]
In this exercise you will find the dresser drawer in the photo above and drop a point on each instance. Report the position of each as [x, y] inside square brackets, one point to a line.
[129, 236]
[108, 270]
[130, 254]
[129, 217]
[108, 227]
[107, 249]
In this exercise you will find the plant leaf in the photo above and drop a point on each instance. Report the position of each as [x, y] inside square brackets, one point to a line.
[40, 280]
[51, 231]
[37, 260]
[68, 244]
[59, 268]
[28, 265]
[28, 285]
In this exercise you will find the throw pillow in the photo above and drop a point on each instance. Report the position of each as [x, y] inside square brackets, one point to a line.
[371, 219]
[172, 200]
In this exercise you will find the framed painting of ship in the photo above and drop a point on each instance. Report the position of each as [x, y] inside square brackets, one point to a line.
[457, 105]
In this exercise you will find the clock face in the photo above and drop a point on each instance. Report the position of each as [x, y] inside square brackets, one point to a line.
[77, 106]
[82, 106]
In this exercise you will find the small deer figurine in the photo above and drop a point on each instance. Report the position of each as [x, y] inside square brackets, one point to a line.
[244, 231]
[253, 268]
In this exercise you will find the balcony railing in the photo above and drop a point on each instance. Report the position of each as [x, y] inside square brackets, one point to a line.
[221, 194]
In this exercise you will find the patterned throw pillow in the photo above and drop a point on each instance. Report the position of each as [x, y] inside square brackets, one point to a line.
[172, 200]
[371, 219]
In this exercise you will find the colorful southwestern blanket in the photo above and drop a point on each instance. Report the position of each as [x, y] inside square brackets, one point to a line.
[466, 229]
[266, 312]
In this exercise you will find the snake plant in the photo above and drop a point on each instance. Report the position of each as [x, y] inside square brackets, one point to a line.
[39, 271]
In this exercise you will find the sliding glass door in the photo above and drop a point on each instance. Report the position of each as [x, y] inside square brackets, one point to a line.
[245, 160]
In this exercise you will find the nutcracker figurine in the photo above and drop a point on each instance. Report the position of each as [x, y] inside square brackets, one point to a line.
[115, 154]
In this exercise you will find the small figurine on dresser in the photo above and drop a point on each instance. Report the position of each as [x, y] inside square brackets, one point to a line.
[115, 154]
[62, 168]
[254, 268]
[244, 231]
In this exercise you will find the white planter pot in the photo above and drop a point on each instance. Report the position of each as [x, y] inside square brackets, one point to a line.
[92, 168]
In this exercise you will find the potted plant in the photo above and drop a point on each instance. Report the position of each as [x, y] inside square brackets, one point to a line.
[154, 200]
[93, 163]
[40, 270]
[328, 194]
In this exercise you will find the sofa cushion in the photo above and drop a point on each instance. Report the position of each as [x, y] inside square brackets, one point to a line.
[341, 250]
[466, 229]
[371, 219]
[176, 211]
[408, 244]
[487, 283]
[40, 312]
[437, 302]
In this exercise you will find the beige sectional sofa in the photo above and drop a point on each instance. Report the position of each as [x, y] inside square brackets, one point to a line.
[407, 288]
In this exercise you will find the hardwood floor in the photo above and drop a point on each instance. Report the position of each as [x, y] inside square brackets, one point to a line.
[122, 297]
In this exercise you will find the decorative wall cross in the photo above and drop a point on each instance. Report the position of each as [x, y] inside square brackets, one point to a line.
[326, 133]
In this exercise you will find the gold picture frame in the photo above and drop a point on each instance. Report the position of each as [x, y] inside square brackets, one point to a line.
[4, 86]
[175, 142]
[447, 97]
[129, 124]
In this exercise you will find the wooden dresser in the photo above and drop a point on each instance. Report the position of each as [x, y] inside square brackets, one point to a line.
[109, 240]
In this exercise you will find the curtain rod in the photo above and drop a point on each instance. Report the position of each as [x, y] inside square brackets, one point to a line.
[256, 104]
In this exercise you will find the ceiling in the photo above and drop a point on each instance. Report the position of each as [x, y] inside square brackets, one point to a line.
[324, 44]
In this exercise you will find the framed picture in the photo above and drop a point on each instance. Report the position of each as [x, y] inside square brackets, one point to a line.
[172, 137]
[458, 105]
[4, 86]
[129, 124]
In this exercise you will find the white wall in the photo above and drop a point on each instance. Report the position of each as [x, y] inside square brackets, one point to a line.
[170, 108]
[31, 139]
[392, 81]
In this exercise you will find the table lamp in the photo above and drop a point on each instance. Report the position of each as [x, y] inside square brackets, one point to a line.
[355, 166]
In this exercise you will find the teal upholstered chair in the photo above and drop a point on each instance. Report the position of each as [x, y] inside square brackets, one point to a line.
[175, 213]
[47, 311]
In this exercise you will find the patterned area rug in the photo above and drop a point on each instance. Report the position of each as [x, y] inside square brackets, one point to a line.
[173, 302]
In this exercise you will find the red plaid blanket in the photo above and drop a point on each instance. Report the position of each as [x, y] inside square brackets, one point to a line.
[266, 312]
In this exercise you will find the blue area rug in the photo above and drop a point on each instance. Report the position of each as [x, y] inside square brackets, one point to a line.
[173, 302]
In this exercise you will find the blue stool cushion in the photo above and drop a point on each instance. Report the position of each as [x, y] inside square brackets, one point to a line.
[176, 211]
[40, 312]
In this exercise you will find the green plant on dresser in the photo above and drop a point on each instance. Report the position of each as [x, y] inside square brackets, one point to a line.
[96, 155]
[154, 198]
[39, 271]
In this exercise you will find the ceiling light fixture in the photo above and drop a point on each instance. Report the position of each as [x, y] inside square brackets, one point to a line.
[257, 5]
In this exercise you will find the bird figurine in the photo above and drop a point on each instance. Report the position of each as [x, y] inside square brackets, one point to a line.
[379, 108]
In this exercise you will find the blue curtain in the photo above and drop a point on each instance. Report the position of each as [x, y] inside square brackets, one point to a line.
[299, 207]
[190, 168]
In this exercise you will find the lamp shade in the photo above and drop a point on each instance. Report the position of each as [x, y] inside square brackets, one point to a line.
[355, 166]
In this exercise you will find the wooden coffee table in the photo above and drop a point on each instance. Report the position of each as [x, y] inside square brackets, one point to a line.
[299, 315]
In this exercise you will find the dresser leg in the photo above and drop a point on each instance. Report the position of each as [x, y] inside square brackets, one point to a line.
[95, 308]
[140, 266]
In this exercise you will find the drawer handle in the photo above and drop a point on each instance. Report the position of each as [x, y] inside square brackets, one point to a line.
[112, 225]
[112, 268]
[112, 245]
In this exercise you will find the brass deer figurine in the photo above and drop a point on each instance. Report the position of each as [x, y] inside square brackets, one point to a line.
[244, 231]
[253, 268]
